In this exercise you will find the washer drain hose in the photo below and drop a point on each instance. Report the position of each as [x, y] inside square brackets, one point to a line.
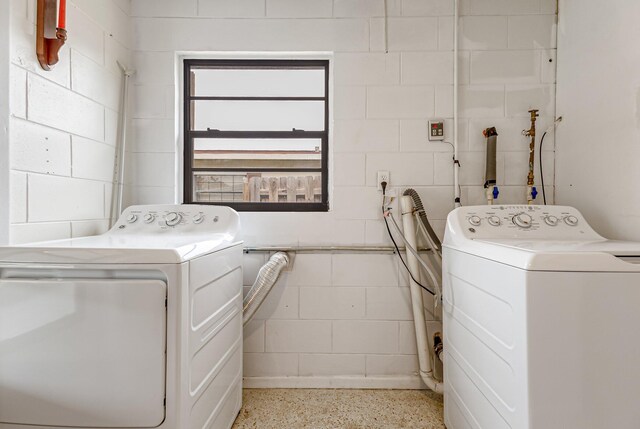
[431, 234]
[267, 278]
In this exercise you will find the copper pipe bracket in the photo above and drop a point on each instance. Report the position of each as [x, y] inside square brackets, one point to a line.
[48, 48]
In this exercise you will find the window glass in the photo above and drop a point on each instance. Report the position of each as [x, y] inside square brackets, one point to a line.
[234, 82]
[258, 153]
[263, 187]
[256, 134]
[258, 115]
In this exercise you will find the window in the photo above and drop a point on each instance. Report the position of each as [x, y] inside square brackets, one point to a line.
[256, 134]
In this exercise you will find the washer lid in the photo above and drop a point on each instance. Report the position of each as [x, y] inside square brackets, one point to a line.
[618, 248]
[164, 234]
[537, 238]
[544, 255]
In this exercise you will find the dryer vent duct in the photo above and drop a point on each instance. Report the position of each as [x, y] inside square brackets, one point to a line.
[267, 278]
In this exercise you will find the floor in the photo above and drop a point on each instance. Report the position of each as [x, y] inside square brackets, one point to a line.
[333, 409]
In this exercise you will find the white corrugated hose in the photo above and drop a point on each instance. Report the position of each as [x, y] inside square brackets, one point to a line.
[267, 278]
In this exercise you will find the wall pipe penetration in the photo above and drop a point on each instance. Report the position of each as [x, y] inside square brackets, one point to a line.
[267, 278]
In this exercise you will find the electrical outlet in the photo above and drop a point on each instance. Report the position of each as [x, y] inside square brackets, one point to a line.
[383, 176]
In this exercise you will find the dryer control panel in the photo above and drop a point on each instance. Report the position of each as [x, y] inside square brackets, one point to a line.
[180, 219]
[520, 221]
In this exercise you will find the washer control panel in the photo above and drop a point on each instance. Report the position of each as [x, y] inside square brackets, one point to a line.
[519, 221]
[176, 218]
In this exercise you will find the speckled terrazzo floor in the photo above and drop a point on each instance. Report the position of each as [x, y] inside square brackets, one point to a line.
[337, 409]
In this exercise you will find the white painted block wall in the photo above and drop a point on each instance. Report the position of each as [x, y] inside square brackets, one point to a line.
[599, 98]
[63, 123]
[345, 320]
[4, 122]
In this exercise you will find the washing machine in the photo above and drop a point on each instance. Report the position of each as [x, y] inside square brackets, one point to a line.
[140, 327]
[541, 321]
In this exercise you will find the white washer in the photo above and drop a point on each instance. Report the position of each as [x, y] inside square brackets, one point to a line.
[139, 327]
[541, 321]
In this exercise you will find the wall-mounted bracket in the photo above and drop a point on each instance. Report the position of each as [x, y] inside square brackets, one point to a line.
[50, 34]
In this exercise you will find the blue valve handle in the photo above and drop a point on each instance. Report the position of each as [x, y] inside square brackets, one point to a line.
[534, 193]
[496, 192]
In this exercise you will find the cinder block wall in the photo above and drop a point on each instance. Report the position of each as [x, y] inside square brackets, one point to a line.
[345, 320]
[63, 123]
[4, 121]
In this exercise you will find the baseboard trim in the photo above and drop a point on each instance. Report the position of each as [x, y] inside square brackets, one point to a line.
[401, 382]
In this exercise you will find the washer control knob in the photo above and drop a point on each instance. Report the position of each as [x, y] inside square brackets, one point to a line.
[475, 220]
[198, 218]
[173, 218]
[571, 220]
[523, 220]
[132, 218]
[149, 217]
[494, 221]
[551, 220]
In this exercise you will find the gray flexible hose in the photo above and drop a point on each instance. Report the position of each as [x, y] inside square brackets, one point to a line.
[267, 278]
[490, 165]
[417, 202]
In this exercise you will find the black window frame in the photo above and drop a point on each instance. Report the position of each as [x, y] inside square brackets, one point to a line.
[190, 135]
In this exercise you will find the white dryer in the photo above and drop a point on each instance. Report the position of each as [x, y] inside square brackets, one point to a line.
[140, 327]
[541, 321]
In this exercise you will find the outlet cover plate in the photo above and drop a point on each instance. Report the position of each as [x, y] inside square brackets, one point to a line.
[383, 176]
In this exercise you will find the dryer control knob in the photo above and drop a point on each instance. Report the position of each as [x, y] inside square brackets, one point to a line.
[132, 218]
[149, 217]
[551, 220]
[198, 218]
[173, 218]
[571, 220]
[475, 220]
[523, 220]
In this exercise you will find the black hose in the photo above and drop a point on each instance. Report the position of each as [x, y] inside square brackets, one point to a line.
[544, 194]
[396, 245]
